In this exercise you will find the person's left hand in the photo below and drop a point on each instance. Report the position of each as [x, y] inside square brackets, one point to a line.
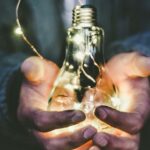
[128, 72]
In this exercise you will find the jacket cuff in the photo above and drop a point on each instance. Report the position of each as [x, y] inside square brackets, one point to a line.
[138, 43]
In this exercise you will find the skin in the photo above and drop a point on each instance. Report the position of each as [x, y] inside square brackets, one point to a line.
[128, 71]
[129, 74]
[39, 76]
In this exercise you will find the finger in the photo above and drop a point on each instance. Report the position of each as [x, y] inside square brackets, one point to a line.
[94, 148]
[36, 70]
[47, 121]
[129, 122]
[140, 65]
[111, 142]
[72, 141]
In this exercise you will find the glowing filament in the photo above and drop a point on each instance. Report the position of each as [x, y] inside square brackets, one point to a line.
[78, 39]
[79, 56]
[20, 32]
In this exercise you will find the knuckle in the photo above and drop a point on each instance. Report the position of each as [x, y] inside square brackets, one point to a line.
[39, 125]
[41, 122]
[137, 124]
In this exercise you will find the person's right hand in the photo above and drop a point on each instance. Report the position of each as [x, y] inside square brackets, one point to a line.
[32, 110]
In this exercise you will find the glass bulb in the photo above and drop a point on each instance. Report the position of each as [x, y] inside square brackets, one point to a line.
[77, 84]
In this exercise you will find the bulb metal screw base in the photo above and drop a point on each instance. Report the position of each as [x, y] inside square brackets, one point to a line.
[84, 16]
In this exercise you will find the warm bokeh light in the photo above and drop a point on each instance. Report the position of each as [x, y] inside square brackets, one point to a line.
[18, 31]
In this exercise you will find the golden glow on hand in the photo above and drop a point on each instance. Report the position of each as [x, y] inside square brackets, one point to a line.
[116, 102]
[77, 106]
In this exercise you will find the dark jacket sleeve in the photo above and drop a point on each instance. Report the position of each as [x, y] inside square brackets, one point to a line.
[12, 134]
[139, 43]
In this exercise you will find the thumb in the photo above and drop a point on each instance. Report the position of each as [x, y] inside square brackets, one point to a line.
[140, 66]
[37, 70]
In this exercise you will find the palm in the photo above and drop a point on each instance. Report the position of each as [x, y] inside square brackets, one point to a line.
[128, 72]
[129, 79]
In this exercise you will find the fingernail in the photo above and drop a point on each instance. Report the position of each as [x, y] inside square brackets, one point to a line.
[79, 116]
[89, 133]
[101, 113]
[102, 141]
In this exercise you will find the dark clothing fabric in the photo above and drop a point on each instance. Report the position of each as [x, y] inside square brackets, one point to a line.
[44, 25]
[126, 24]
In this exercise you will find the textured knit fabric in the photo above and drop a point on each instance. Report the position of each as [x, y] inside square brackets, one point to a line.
[126, 24]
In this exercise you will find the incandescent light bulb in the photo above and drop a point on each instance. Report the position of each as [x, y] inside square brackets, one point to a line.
[76, 85]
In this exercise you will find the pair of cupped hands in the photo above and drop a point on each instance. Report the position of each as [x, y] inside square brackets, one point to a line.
[128, 71]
